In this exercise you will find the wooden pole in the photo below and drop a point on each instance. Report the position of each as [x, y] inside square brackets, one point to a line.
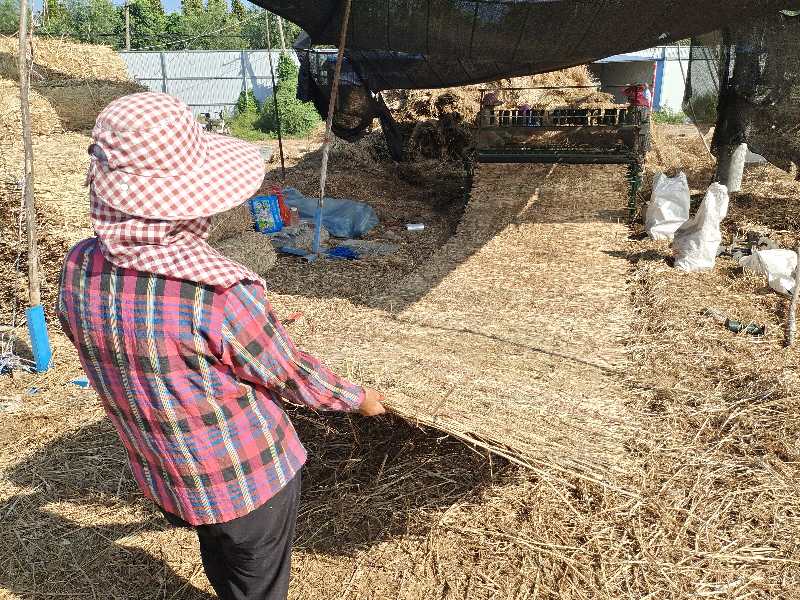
[34, 282]
[127, 25]
[326, 144]
[275, 100]
[792, 333]
[281, 34]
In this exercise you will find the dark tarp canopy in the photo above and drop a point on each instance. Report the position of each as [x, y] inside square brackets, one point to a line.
[418, 44]
[407, 44]
[746, 78]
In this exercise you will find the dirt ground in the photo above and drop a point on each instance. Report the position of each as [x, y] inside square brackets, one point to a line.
[392, 509]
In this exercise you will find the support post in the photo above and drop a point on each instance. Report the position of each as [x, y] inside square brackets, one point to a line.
[738, 85]
[244, 72]
[127, 25]
[281, 35]
[275, 100]
[37, 327]
[326, 144]
[730, 167]
[163, 72]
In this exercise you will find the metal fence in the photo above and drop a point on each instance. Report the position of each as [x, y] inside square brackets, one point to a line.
[207, 80]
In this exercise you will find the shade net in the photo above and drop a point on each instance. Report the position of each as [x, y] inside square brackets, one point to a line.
[420, 44]
[416, 44]
[746, 79]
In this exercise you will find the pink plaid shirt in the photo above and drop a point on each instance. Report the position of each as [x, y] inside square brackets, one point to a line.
[190, 375]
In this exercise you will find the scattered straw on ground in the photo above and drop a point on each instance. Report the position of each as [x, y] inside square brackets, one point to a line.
[390, 510]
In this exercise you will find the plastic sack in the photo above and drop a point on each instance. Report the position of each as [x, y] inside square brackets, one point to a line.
[299, 237]
[266, 213]
[778, 266]
[341, 217]
[697, 241]
[669, 206]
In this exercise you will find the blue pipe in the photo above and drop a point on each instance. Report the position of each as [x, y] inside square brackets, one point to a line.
[40, 341]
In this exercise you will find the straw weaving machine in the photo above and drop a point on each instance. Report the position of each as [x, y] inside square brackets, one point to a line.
[605, 135]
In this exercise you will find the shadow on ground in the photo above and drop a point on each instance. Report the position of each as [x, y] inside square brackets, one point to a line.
[82, 529]
[402, 193]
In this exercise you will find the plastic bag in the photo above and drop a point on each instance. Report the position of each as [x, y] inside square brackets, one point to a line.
[778, 266]
[300, 237]
[669, 206]
[341, 217]
[266, 213]
[697, 241]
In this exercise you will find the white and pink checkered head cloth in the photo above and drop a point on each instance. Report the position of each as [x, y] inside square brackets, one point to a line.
[156, 178]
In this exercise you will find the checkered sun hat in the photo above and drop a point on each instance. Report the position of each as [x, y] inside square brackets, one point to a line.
[152, 159]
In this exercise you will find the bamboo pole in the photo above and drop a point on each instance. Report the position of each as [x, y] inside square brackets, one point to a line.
[275, 99]
[281, 34]
[127, 25]
[792, 333]
[326, 145]
[34, 282]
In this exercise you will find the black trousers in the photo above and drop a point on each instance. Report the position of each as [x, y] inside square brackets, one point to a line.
[249, 558]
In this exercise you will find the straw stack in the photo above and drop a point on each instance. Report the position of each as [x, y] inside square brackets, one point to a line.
[233, 235]
[412, 105]
[78, 102]
[71, 83]
[44, 119]
[250, 249]
[442, 120]
[231, 223]
[58, 60]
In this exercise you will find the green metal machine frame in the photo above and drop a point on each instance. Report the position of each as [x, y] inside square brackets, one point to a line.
[595, 136]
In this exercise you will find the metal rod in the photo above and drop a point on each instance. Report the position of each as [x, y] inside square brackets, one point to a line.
[275, 100]
[329, 125]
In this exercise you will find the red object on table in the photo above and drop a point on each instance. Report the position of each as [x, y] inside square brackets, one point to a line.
[636, 95]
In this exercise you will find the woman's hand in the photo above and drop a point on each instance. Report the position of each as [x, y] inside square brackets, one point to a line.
[373, 403]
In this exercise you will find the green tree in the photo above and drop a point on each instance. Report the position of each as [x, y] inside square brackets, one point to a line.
[296, 117]
[148, 24]
[9, 16]
[92, 21]
[56, 19]
[238, 10]
[254, 30]
[189, 7]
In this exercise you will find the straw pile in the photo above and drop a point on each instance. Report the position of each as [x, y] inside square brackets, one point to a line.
[231, 223]
[44, 119]
[55, 59]
[71, 83]
[78, 102]
[441, 120]
[233, 235]
[412, 105]
[250, 249]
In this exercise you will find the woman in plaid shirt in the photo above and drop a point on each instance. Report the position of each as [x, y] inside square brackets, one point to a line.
[183, 348]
